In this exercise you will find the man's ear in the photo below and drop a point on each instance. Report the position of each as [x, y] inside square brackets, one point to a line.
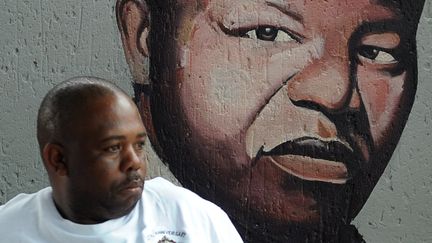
[133, 20]
[54, 159]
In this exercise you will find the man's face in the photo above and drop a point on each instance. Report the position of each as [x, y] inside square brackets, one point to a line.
[286, 110]
[105, 158]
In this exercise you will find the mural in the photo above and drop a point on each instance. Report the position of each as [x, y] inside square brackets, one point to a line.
[283, 112]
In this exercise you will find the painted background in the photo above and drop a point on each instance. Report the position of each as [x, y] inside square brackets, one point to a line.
[45, 42]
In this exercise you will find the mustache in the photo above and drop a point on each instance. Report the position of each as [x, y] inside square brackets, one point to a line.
[313, 147]
[134, 176]
[132, 179]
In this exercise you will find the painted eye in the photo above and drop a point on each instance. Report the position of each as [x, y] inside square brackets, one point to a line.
[269, 33]
[376, 55]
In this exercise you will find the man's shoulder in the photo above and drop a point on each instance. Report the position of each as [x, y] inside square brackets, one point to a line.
[182, 205]
[22, 210]
[173, 201]
[20, 201]
[167, 192]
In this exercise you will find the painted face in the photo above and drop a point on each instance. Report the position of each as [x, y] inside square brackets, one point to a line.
[287, 111]
[106, 160]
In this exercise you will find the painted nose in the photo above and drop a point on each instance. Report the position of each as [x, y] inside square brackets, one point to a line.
[324, 83]
[132, 160]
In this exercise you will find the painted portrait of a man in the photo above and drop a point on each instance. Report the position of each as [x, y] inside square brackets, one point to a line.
[283, 112]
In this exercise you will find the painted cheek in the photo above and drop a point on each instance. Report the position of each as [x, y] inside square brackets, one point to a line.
[220, 87]
[210, 88]
[228, 80]
[381, 95]
[377, 92]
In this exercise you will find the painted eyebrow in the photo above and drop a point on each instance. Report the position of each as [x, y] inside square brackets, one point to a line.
[284, 8]
[381, 27]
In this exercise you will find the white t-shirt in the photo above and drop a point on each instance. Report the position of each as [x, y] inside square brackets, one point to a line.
[165, 214]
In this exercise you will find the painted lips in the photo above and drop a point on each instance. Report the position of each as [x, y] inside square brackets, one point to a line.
[313, 159]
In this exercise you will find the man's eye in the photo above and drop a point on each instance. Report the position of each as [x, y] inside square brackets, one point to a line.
[113, 149]
[376, 55]
[140, 145]
[269, 33]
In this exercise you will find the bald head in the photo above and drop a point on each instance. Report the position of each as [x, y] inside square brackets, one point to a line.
[65, 103]
[92, 143]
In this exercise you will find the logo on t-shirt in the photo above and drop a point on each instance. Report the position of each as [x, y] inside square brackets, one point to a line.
[166, 240]
[167, 236]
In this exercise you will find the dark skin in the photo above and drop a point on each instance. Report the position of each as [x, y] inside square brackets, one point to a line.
[97, 169]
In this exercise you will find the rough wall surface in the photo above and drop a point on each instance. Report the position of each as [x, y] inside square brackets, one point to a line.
[45, 42]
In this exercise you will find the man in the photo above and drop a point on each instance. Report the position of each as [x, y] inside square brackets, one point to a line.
[284, 112]
[92, 140]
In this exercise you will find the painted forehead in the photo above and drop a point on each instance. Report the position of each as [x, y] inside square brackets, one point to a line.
[408, 8]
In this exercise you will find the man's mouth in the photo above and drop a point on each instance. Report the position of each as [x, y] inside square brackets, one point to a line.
[313, 159]
[135, 184]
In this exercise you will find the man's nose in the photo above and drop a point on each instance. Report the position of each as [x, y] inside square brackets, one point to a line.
[132, 159]
[325, 83]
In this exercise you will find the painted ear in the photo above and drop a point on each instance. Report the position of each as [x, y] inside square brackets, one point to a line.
[133, 22]
[54, 159]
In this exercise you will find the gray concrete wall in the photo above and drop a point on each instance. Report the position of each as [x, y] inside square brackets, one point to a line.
[41, 44]
[45, 42]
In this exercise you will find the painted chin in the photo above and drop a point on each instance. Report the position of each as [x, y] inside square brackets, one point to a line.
[278, 196]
